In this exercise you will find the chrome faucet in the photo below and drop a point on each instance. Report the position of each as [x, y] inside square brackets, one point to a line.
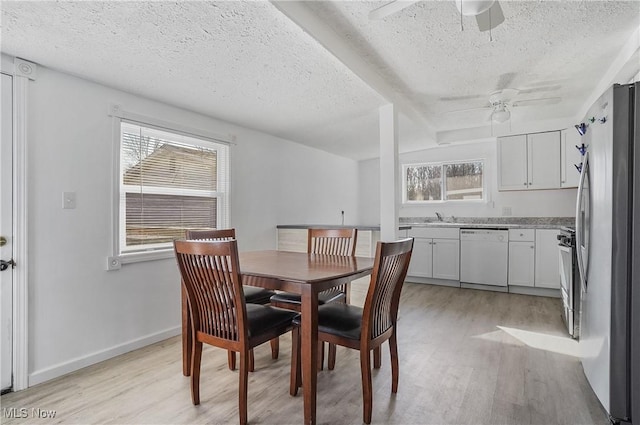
[439, 216]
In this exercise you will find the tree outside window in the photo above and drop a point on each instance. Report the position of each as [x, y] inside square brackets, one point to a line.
[444, 181]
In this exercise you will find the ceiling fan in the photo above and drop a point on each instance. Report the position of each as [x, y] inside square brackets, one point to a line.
[502, 101]
[488, 13]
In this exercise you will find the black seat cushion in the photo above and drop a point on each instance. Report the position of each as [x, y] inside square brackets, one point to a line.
[339, 319]
[255, 295]
[323, 297]
[261, 318]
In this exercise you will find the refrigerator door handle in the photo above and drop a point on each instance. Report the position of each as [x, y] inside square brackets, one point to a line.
[579, 223]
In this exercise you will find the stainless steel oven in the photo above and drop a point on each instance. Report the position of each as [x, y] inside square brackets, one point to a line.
[569, 280]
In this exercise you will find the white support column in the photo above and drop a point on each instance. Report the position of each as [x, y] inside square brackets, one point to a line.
[389, 178]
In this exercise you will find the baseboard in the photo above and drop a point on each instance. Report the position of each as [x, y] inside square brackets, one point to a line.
[540, 292]
[493, 288]
[60, 369]
[432, 281]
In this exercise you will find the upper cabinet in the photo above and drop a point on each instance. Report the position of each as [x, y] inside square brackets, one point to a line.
[570, 158]
[529, 161]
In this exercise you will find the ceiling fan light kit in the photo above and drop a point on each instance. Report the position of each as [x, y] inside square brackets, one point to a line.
[501, 115]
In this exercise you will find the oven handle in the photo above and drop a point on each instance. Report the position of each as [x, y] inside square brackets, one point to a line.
[583, 176]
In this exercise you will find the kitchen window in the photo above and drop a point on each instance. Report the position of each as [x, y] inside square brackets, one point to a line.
[168, 182]
[446, 181]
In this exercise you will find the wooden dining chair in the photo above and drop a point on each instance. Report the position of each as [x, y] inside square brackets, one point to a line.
[252, 294]
[365, 329]
[330, 242]
[220, 316]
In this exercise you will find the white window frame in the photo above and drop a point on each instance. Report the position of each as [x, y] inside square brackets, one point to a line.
[485, 194]
[207, 140]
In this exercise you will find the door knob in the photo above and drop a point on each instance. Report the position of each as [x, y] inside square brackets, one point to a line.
[4, 265]
[3, 241]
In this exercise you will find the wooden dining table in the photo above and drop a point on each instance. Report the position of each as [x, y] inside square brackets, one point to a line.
[298, 273]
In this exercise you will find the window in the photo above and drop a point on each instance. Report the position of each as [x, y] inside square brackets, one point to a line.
[443, 181]
[169, 182]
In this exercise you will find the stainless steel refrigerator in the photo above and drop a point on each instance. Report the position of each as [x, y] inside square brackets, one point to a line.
[608, 251]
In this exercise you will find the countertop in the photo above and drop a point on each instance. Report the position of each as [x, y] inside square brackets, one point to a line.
[336, 226]
[407, 223]
[492, 222]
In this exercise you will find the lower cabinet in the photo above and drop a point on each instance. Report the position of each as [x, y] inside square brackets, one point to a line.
[421, 264]
[436, 253]
[533, 258]
[547, 272]
[521, 263]
[521, 257]
[446, 259]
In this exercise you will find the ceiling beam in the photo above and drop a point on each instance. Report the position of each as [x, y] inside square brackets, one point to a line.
[320, 31]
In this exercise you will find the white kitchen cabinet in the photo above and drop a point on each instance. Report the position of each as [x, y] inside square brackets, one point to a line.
[421, 264]
[512, 159]
[436, 253]
[521, 257]
[529, 161]
[547, 269]
[570, 157]
[446, 259]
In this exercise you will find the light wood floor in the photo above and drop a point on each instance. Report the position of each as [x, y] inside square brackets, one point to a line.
[456, 367]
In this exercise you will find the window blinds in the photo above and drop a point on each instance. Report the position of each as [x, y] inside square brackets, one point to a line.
[169, 183]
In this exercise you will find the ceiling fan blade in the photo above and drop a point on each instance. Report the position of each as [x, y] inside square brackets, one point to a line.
[535, 102]
[459, 98]
[505, 80]
[478, 108]
[540, 88]
[491, 18]
[390, 8]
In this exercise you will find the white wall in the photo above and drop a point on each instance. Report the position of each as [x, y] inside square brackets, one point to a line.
[78, 312]
[535, 203]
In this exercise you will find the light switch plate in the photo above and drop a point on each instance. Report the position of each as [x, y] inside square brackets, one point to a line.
[68, 200]
[506, 211]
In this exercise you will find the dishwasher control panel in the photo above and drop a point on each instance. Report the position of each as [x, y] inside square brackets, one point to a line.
[494, 235]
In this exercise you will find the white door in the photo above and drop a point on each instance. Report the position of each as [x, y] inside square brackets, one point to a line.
[512, 162]
[547, 274]
[544, 160]
[521, 263]
[421, 263]
[446, 259]
[6, 231]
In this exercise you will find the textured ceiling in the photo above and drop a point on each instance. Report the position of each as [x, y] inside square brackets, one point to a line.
[254, 64]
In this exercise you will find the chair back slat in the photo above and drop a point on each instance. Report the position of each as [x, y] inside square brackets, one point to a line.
[383, 297]
[210, 273]
[332, 241]
[340, 242]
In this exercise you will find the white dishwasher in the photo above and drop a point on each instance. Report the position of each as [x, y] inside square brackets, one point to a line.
[484, 256]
